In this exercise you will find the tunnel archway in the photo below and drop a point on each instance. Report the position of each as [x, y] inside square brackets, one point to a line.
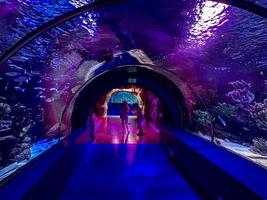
[141, 76]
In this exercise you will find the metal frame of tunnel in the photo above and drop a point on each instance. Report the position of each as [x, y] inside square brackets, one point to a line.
[141, 76]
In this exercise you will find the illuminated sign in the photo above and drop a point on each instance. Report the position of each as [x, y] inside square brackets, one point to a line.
[132, 80]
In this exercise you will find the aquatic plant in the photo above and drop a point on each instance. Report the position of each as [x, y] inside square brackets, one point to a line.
[225, 110]
[259, 146]
[202, 117]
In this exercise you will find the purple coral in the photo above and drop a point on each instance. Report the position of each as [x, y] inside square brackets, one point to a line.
[241, 94]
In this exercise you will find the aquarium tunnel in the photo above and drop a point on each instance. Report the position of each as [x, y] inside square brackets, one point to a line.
[131, 99]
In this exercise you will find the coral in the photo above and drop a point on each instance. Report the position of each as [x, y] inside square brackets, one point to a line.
[225, 110]
[258, 112]
[202, 117]
[260, 146]
[4, 109]
[241, 94]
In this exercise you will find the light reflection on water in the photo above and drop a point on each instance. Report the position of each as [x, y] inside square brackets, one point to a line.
[209, 16]
[88, 19]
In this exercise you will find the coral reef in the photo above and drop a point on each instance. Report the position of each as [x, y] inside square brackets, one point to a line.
[260, 146]
[241, 94]
[225, 110]
[22, 150]
[4, 109]
[258, 112]
[202, 117]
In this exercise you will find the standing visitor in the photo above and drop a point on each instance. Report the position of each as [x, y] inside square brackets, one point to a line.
[124, 116]
[139, 119]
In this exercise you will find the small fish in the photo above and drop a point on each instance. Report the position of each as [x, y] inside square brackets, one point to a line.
[222, 121]
[3, 98]
[50, 99]
[39, 94]
[245, 129]
[17, 68]
[19, 89]
[22, 79]
[7, 86]
[54, 89]
[39, 88]
[35, 73]
[42, 97]
[19, 58]
[12, 74]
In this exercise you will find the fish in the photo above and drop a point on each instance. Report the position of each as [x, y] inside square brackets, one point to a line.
[7, 86]
[19, 89]
[221, 121]
[3, 98]
[34, 73]
[42, 97]
[39, 88]
[19, 58]
[39, 94]
[17, 68]
[245, 129]
[22, 79]
[12, 74]
[54, 89]
[50, 99]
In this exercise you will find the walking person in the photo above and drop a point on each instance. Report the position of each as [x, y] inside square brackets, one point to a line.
[124, 116]
[139, 119]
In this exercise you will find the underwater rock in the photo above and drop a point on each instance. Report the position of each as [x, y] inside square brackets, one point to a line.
[5, 109]
[24, 155]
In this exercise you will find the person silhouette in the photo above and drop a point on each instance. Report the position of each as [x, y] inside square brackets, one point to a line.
[124, 116]
[139, 119]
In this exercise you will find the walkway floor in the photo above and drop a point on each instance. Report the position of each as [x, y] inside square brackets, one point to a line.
[111, 132]
[113, 171]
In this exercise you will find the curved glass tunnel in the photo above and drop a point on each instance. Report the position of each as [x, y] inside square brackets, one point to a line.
[202, 63]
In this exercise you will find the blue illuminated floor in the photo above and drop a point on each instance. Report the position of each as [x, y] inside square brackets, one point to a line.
[112, 171]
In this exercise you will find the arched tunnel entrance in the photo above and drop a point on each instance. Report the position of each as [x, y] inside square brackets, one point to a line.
[172, 99]
[115, 98]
